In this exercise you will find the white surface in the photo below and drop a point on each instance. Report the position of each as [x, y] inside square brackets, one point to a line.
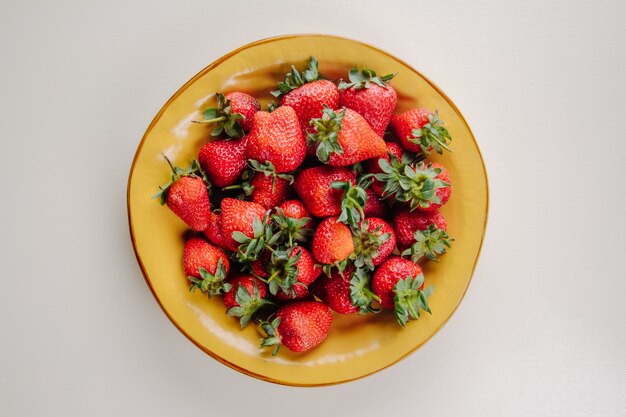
[542, 329]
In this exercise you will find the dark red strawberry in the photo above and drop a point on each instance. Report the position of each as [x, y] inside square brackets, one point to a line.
[420, 131]
[245, 105]
[300, 326]
[306, 93]
[276, 138]
[336, 291]
[371, 96]
[373, 206]
[332, 244]
[407, 222]
[373, 167]
[233, 114]
[374, 240]
[313, 185]
[295, 209]
[213, 232]
[344, 138]
[187, 196]
[237, 216]
[206, 266]
[269, 191]
[245, 297]
[223, 161]
[290, 273]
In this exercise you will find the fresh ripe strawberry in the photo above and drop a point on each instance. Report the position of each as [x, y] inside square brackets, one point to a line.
[373, 206]
[332, 242]
[313, 187]
[373, 167]
[223, 161]
[237, 216]
[291, 273]
[306, 93]
[300, 326]
[388, 274]
[443, 192]
[344, 138]
[374, 241]
[337, 292]
[269, 191]
[198, 253]
[420, 131]
[214, 231]
[295, 209]
[407, 222]
[245, 105]
[187, 196]
[370, 96]
[258, 268]
[277, 138]
[245, 297]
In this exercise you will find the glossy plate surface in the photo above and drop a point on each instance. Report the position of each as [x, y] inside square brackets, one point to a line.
[356, 346]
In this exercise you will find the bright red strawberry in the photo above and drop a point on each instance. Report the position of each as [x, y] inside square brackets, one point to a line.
[374, 240]
[276, 138]
[373, 206]
[300, 326]
[223, 161]
[306, 93]
[214, 231]
[313, 185]
[336, 291]
[237, 216]
[269, 191]
[420, 131]
[233, 114]
[198, 253]
[245, 297]
[187, 196]
[407, 222]
[399, 284]
[371, 96]
[332, 244]
[291, 272]
[344, 138]
[373, 167]
[295, 209]
[245, 105]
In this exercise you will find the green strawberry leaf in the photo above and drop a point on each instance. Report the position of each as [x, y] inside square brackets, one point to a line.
[429, 243]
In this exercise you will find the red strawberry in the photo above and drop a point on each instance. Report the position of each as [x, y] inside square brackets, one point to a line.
[419, 130]
[374, 241]
[407, 222]
[289, 230]
[223, 161]
[336, 291]
[233, 114]
[245, 297]
[306, 93]
[313, 185]
[332, 244]
[187, 196]
[370, 96]
[276, 139]
[214, 231]
[344, 138]
[295, 209]
[373, 206]
[206, 266]
[399, 283]
[237, 216]
[269, 191]
[300, 326]
[291, 272]
[373, 167]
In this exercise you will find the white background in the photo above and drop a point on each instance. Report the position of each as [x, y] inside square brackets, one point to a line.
[542, 329]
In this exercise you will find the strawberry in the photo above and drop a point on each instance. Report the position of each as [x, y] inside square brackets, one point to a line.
[290, 229]
[237, 216]
[291, 272]
[399, 284]
[344, 138]
[300, 326]
[246, 297]
[420, 131]
[407, 222]
[313, 185]
[371, 96]
[295, 209]
[213, 232]
[306, 93]
[373, 206]
[374, 240]
[187, 195]
[223, 161]
[373, 167]
[269, 191]
[206, 267]
[336, 291]
[277, 138]
[233, 114]
[332, 244]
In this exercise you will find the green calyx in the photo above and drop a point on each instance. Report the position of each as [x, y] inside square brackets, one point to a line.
[290, 230]
[248, 304]
[409, 299]
[193, 171]
[352, 203]
[328, 268]
[366, 244]
[268, 169]
[361, 295]
[294, 79]
[251, 247]
[363, 79]
[432, 135]
[408, 182]
[429, 243]
[283, 272]
[211, 284]
[224, 119]
[326, 135]
[272, 338]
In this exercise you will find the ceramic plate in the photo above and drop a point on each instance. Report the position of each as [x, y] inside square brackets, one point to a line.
[356, 346]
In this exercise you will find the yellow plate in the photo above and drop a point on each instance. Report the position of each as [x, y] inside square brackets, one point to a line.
[356, 346]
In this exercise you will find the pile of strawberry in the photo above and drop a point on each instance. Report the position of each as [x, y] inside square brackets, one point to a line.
[320, 207]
